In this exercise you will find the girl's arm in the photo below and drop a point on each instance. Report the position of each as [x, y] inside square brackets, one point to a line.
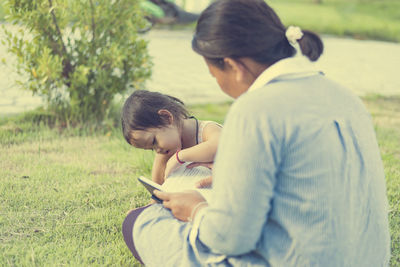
[205, 151]
[158, 170]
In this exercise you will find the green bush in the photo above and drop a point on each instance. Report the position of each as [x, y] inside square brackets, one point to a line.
[1, 12]
[78, 54]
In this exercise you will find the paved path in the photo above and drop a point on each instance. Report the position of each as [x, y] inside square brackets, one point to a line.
[366, 67]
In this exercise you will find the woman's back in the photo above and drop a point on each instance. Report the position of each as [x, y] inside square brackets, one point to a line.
[329, 206]
[297, 180]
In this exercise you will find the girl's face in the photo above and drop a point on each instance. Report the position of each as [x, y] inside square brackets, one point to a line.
[164, 140]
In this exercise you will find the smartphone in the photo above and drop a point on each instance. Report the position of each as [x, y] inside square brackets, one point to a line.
[151, 186]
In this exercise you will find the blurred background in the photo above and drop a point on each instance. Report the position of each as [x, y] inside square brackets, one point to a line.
[361, 40]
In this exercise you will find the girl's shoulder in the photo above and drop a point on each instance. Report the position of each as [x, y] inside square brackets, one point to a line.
[213, 124]
[208, 130]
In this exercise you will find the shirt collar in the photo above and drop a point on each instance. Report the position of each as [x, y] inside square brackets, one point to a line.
[293, 67]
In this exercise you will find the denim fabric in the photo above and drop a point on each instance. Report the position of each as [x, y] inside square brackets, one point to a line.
[298, 181]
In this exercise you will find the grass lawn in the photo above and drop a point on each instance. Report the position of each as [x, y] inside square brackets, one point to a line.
[386, 115]
[366, 19]
[64, 194]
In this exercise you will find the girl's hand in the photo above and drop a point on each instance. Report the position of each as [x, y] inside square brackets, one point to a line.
[182, 204]
[171, 166]
[204, 164]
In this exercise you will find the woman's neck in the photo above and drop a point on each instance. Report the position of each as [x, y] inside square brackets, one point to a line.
[188, 133]
[253, 68]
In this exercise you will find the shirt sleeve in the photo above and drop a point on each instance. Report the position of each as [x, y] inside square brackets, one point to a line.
[244, 176]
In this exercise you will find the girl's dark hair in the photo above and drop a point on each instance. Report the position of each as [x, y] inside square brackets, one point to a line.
[247, 28]
[140, 111]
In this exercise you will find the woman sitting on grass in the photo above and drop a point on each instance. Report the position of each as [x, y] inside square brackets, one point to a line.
[298, 178]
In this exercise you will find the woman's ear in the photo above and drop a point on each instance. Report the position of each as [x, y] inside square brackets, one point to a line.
[237, 67]
[166, 115]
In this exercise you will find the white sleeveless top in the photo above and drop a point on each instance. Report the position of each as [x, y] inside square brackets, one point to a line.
[202, 125]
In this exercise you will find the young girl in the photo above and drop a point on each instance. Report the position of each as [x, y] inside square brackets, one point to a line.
[151, 120]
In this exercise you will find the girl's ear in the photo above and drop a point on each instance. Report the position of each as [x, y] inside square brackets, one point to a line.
[166, 116]
[237, 67]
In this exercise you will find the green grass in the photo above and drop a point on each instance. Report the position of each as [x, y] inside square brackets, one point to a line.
[359, 19]
[63, 200]
[64, 193]
[386, 115]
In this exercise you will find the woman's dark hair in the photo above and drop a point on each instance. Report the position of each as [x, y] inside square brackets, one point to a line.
[140, 111]
[247, 28]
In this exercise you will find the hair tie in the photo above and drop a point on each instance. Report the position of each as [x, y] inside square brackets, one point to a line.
[293, 34]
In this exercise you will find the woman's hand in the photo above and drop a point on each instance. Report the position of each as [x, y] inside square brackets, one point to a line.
[182, 204]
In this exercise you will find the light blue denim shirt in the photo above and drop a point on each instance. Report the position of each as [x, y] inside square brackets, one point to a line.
[297, 181]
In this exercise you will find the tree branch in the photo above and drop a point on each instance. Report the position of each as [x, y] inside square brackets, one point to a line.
[66, 62]
[93, 23]
[53, 16]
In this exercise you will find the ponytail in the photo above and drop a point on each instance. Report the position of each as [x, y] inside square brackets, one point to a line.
[311, 45]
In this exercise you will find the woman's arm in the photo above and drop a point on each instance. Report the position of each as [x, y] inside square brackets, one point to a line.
[245, 176]
[245, 171]
[158, 170]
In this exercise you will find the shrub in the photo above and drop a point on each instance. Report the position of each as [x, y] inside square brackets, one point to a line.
[78, 54]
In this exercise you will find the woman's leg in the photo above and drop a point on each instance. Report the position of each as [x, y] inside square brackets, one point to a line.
[127, 227]
[162, 240]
